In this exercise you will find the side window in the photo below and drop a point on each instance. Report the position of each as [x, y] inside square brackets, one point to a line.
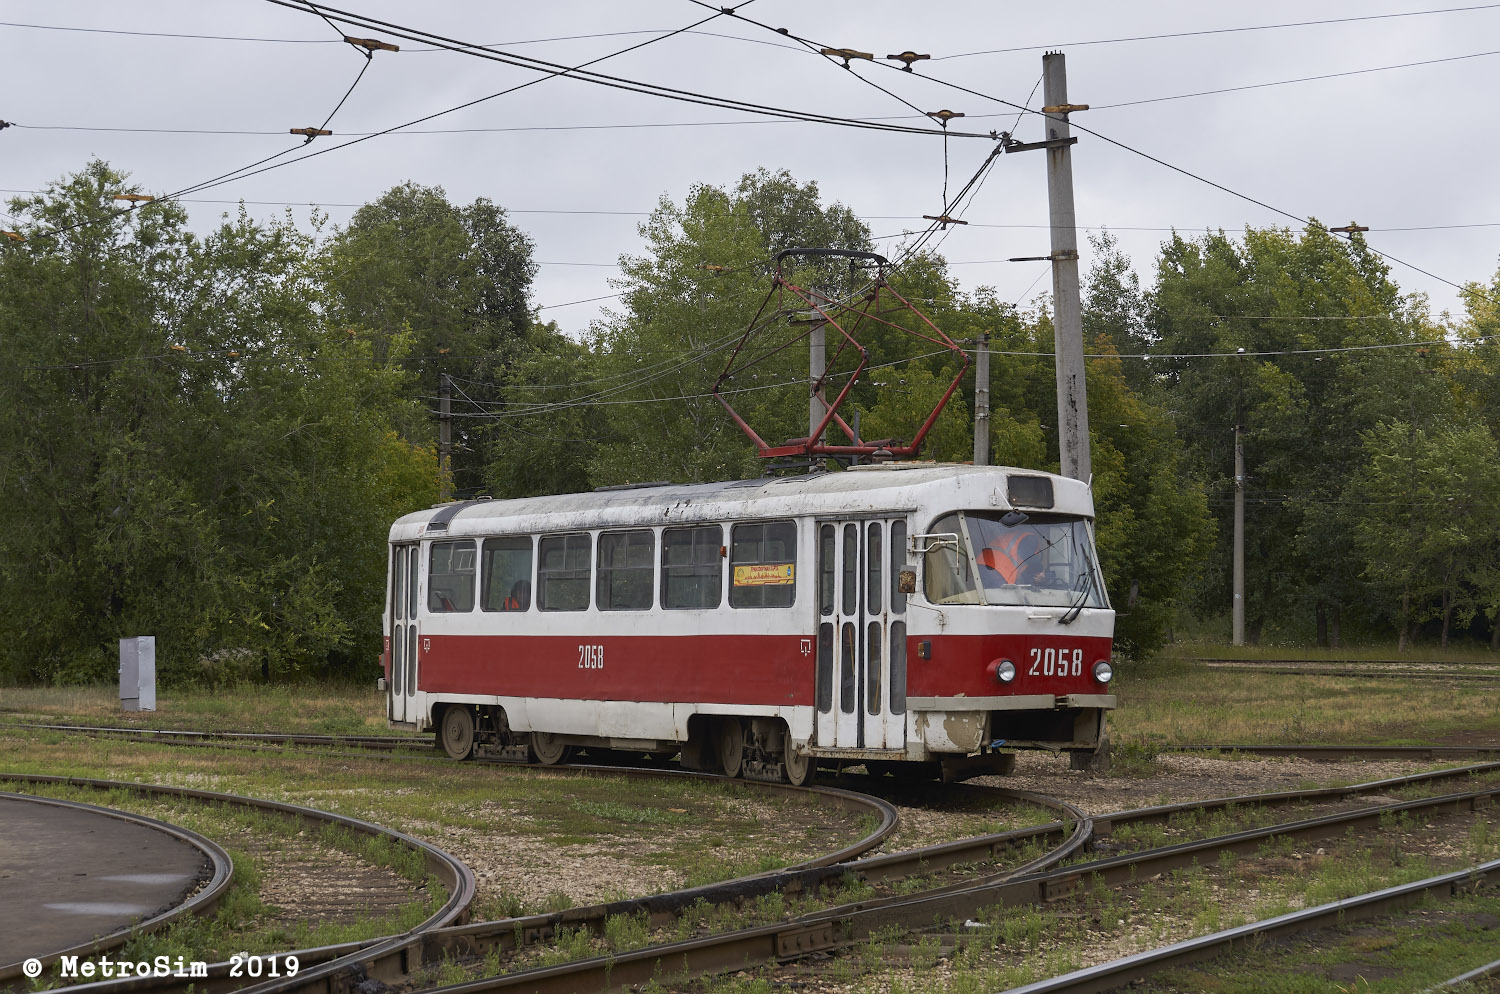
[450, 577]
[692, 571]
[398, 582]
[763, 564]
[413, 561]
[626, 564]
[946, 576]
[825, 570]
[898, 560]
[505, 567]
[562, 573]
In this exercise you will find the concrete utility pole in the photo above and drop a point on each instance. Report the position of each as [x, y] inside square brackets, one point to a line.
[1239, 538]
[1072, 397]
[445, 439]
[982, 402]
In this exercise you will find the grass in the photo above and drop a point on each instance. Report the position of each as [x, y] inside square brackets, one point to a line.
[680, 832]
[243, 921]
[1471, 652]
[1175, 702]
[1003, 947]
[308, 708]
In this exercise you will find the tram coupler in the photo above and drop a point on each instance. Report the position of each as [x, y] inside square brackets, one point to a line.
[986, 764]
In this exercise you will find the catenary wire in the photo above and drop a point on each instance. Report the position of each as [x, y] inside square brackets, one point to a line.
[1221, 31]
[267, 163]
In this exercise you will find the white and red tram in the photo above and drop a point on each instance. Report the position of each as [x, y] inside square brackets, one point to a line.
[911, 612]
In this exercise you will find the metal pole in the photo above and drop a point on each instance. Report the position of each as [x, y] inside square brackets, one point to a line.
[1067, 321]
[1239, 538]
[816, 364]
[445, 439]
[982, 402]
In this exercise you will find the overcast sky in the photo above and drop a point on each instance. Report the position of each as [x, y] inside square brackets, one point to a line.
[1408, 151]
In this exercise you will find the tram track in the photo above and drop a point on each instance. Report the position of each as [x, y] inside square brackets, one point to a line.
[834, 928]
[1387, 669]
[1038, 882]
[396, 955]
[201, 901]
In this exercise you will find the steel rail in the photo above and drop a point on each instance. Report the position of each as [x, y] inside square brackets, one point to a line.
[1108, 976]
[478, 939]
[396, 956]
[452, 872]
[1478, 973]
[270, 738]
[1378, 673]
[1430, 753]
[204, 899]
[842, 926]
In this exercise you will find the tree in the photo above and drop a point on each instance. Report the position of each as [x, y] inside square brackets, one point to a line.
[686, 302]
[1428, 522]
[457, 279]
[195, 453]
[1250, 321]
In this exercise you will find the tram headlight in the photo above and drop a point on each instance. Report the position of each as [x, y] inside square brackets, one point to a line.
[1003, 670]
[1103, 672]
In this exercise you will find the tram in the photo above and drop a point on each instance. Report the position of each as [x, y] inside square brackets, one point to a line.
[908, 616]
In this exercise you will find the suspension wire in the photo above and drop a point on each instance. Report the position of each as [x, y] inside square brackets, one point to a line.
[262, 165]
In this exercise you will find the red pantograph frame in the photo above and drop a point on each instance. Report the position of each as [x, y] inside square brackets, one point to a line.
[830, 311]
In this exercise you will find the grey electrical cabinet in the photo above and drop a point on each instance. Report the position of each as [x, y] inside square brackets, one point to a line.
[138, 673]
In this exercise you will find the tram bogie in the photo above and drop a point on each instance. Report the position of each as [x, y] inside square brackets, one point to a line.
[906, 617]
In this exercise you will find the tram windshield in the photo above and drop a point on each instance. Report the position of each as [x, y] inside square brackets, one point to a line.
[1035, 560]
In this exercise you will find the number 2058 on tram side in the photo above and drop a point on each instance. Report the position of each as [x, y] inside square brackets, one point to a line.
[915, 617]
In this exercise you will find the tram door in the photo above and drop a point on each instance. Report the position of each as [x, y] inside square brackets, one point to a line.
[405, 563]
[861, 672]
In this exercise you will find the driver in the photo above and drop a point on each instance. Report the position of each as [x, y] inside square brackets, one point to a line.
[1016, 556]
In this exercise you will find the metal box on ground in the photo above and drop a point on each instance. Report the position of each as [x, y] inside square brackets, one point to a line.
[138, 673]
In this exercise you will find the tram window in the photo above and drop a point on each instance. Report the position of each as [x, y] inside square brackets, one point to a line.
[825, 667]
[626, 564]
[825, 570]
[450, 577]
[947, 577]
[692, 571]
[898, 667]
[505, 566]
[874, 562]
[847, 703]
[413, 561]
[851, 569]
[562, 573]
[398, 658]
[398, 583]
[872, 668]
[898, 560]
[763, 565]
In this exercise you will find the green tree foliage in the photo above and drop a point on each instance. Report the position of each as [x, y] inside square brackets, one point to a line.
[1269, 303]
[686, 302]
[193, 452]
[1425, 522]
[451, 284]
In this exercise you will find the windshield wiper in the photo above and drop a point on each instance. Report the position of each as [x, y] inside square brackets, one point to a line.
[1088, 586]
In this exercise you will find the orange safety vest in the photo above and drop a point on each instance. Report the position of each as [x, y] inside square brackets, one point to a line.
[1004, 555]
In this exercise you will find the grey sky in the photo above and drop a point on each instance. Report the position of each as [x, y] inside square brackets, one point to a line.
[1403, 148]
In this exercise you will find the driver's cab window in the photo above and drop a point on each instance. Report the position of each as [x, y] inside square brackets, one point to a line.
[946, 575]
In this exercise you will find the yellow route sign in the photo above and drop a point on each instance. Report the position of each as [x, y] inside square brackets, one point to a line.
[765, 575]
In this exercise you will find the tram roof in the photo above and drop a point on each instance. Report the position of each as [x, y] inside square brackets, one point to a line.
[816, 493]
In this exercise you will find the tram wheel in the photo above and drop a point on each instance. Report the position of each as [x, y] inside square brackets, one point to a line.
[731, 746]
[457, 731]
[548, 749]
[799, 769]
